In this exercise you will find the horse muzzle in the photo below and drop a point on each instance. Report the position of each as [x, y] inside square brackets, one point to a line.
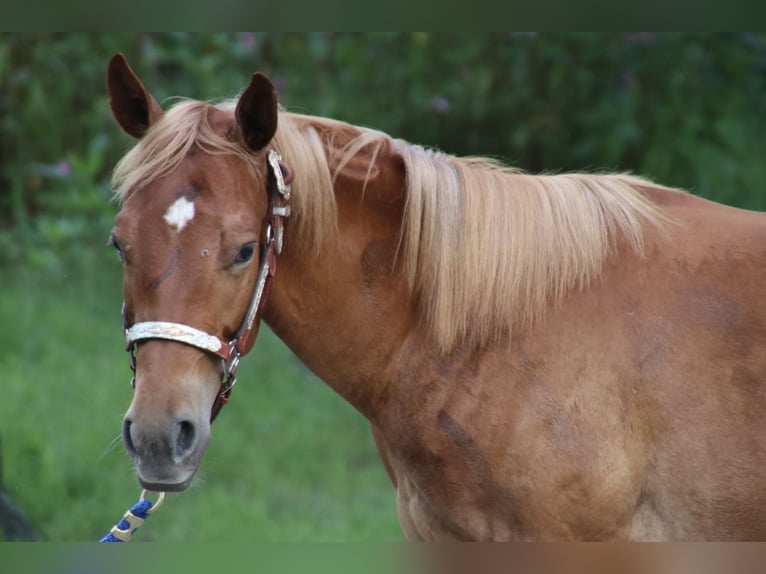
[167, 453]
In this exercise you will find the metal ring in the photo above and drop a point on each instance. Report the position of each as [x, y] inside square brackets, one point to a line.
[157, 504]
[231, 368]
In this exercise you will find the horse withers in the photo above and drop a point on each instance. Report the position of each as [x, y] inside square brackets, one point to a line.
[551, 357]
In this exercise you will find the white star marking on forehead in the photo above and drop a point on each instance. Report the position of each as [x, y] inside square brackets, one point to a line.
[180, 213]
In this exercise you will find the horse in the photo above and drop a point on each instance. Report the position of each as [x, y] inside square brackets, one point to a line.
[566, 356]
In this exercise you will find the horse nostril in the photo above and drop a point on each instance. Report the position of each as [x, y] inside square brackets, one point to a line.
[127, 439]
[185, 439]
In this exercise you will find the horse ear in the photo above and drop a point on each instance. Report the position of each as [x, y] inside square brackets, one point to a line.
[134, 108]
[256, 112]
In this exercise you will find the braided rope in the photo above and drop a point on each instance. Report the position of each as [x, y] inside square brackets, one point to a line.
[123, 531]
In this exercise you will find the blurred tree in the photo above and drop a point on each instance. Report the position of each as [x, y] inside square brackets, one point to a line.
[684, 109]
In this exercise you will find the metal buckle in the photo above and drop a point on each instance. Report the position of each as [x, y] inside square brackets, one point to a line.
[132, 363]
[229, 378]
[157, 504]
[284, 189]
[283, 211]
[230, 368]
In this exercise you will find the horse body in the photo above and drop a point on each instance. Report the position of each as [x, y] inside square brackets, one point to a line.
[626, 404]
[616, 417]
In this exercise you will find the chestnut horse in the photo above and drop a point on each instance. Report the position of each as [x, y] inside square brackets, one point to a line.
[540, 357]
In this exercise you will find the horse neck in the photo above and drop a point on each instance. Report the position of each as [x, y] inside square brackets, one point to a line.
[345, 310]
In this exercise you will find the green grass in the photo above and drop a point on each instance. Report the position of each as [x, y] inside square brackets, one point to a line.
[288, 460]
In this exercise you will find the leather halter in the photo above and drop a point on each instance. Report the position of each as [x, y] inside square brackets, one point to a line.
[229, 351]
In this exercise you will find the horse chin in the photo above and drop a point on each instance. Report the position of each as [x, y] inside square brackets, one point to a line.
[173, 479]
[166, 486]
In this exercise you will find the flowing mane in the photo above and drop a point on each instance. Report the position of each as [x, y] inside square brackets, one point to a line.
[484, 247]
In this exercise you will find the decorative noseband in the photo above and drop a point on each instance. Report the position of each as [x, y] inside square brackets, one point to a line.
[181, 333]
[229, 351]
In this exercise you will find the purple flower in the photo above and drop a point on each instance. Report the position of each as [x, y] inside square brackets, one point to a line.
[280, 83]
[248, 41]
[440, 105]
[63, 169]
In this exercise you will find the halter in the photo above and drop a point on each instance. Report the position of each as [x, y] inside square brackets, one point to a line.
[229, 351]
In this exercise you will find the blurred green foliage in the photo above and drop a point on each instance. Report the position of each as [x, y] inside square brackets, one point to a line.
[684, 109]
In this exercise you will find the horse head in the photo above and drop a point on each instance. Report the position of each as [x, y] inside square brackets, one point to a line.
[196, 236]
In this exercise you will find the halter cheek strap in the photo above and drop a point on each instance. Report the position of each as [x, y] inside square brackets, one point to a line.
[229, 351]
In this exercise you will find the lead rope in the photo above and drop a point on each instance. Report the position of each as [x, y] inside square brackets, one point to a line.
[123, 531]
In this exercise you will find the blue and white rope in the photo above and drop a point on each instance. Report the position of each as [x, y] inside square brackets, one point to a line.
[123, 531]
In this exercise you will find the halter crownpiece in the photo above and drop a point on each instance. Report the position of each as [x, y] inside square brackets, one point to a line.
[229, 351]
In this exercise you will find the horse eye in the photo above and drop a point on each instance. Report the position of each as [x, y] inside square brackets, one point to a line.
[245, 254]
[113, 242]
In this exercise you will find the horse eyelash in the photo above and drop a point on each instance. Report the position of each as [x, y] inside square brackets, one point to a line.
[113, 243]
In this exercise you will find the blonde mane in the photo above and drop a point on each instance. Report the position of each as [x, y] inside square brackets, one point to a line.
[489, 248]
[484, 247]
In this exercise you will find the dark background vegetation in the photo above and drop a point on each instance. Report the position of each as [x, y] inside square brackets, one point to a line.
[687, 110]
